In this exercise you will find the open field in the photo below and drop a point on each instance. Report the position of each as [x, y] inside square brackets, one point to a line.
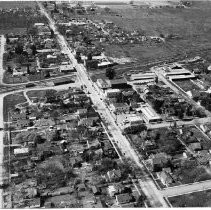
[196, 199]
[37, 93]
[191, 25]
[10, 101]
[14, 4]
[187, 85]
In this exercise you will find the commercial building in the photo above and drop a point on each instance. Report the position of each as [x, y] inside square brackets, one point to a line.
[120, 107]
[143, 77]
[110, 93]
[149, 115]
[66, 68]
[134, 119]
[103, 84]
[177, 72]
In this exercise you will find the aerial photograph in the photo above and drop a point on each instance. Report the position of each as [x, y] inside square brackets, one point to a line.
[105, 104]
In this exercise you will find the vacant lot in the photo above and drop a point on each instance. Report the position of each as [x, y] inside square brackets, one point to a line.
[32, 94]
[196, 199]
[10, 101]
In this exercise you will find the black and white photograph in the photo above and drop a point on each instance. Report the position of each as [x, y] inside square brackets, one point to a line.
[105, 104]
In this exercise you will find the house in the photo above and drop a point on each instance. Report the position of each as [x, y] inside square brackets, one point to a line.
[21, 151]
[115, 189]
[17, 116]
[123, 198]
[165, 177]
[44, 123]
[158, 160]
[86, 122]
[96, 190]
[66, 68]
[20, 124]
[119, 84]
[33, 203]
[81, 112]
[93, 144]
[81, 187]
[120, 107]
[195, 146]
[114, 175]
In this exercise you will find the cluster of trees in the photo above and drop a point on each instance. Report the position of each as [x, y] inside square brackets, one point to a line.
[110, 73]
[19, 19]
[168, 142]
[54, 174]
[204, 98]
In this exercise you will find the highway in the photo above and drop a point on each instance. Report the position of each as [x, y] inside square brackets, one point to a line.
[147, 185]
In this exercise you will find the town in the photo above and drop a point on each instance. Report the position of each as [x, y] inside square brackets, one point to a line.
[91, 118]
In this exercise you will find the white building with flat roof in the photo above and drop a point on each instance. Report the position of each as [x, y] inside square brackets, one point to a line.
[149, 115]
[148, 76]
[134, 119]
[112, 92]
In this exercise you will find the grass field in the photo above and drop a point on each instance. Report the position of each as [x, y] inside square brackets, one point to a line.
[196, 199]
[37, 93]
[192, 25]
[10, 101]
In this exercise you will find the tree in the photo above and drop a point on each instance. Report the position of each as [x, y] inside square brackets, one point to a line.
[52, 33]
[9, 70]
[34, 49]
[51, 96]
[89, 56]
[110, 73]
[19, 49]
[107, 10]
[7, 40]
[21, 59]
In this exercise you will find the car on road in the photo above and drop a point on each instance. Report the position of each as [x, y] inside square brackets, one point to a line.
[1, 129]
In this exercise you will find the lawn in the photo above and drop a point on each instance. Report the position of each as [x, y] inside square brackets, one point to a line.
[10, 101]
[196, 199]
[187, 85]
[37, 93]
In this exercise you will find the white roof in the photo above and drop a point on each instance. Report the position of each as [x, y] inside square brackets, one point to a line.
[104, 63]
[113, 91]
[134, 118]
[51, 56]
[143, 76]
[149, 112]
[181, 76]
[21, 151]
[39, 24]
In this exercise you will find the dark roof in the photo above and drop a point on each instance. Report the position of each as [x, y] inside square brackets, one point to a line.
[118, 81]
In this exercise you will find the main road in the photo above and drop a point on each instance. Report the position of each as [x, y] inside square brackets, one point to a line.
[147, 185]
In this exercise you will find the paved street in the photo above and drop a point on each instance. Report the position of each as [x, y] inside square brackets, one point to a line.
[185, 189]
[147, 186]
